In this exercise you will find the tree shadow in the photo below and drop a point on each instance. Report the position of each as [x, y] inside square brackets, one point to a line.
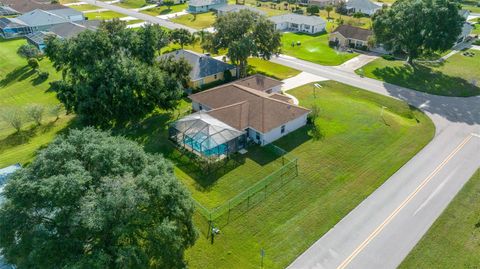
[19, 74]
[39, 80]
[24, 136]
[298, 137]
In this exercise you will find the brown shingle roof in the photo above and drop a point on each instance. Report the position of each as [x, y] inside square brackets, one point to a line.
[259, 82]
[24, 6]
[281, 97]
[353, 32]
[241, 107]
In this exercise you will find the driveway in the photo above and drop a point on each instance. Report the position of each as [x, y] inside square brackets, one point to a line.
[382, 230]
[357, 62]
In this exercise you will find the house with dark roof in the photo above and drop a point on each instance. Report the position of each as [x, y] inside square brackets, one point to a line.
[36, 21]
[299, 23]
[200, 6]
[24, 6]
[205, 69]
[347, 36]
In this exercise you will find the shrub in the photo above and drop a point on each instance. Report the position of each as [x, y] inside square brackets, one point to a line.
[477, 42]
[43, 75]
[33, 63]
[35, 112]
[28, 51]
[227, 76]
[388, 57]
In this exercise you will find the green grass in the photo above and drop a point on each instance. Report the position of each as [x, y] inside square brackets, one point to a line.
[163, 10]
[278, 71]
[452, 78]
[453, 241]
[134, 22]
[476, 29]
[103, 15]
[352, 155]
[313, 48]
[19, 87]
[132, 3]
[85, 7]
[198, 21]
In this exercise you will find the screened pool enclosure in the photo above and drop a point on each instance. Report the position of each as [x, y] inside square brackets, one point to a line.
[206, 136]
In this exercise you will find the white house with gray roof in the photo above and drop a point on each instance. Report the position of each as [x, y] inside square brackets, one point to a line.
[363, 6]
[200, 6]
[205, 69]
[299, 23]
[224, 9]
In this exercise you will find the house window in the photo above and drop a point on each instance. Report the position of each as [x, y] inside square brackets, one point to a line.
[282, 130]
[215, 76]
[200, 107]
[257, 136]
[307, 26]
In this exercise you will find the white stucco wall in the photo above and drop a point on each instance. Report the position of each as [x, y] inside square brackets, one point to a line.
[291, 126]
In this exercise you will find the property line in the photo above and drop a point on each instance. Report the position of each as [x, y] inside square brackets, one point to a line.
[349, 259]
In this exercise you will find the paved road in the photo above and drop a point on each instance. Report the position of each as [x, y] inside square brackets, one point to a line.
[382, 230]
[138, 15]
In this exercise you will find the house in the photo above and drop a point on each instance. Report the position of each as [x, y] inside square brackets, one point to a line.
[205, 69]
[299, 23]
[199, 6]
[347, 36]
[63, 31]
[319, 3]
[224, 9]
[261, 83]
[14, 7]
[263, 117]
[363, 6]
[36, 21]
[467, 28]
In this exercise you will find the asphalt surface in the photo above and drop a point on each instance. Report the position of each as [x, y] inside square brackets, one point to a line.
[138, 15]
[381, 231]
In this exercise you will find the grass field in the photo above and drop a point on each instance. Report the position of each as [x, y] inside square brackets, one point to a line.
[132, 3]
[198, 21]
[278, 71]
[353, 153]
[103, 15]
[476, 29]
[19, 87]
[313, 48]
[85, 7]
[163, 10]
[452, 78]
[453, 241]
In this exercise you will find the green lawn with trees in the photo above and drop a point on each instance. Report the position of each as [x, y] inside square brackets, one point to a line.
[196, 21]
[339, 166]
[21, 87]
[453, 241]
[163, 10]
[454, 77]
[313, 48]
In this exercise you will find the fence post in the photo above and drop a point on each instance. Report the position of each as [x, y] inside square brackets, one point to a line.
[229, 207]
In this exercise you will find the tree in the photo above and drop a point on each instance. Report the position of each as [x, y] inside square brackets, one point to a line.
[313, 9]
[90, 200]
[33, 63]
[13, 117]
[415, 27]
[328, 9]
[152, 39]
[203, 37]
[245, 34]
[168, 3]
[292, 2]
[35, 112]
[122, 85]
[341, 8]
[56, 111]
[182, 36]
[28, 51]
[177, 69]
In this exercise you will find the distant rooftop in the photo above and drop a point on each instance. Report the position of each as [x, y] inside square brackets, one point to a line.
[299, 19]
[236, 8]
[353, 32]
[24, 6]
[199, 3]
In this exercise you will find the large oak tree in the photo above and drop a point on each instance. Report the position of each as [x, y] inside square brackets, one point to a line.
[90, 200]
[415, 27]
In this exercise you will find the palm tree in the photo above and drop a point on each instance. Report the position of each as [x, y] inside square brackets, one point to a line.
[328, 9]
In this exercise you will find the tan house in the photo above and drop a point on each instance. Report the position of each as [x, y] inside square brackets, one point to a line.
[205, 69]
[347, 36]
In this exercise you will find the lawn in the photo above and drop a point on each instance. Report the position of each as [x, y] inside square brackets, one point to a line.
[163, 10]
[453, 241]
[476, 29]
[20, 87]
[198, 21]
[452, 78]
[85, 7]
[278, 71]
[103, 15]
[313, 48]
[131, 3]
[353, 153]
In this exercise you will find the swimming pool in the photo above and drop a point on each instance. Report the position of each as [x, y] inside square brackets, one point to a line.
[200, 143]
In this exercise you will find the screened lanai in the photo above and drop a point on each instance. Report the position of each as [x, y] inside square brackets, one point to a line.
[206, 135]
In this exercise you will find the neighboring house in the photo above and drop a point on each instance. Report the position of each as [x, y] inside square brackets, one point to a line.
[347, 36]
[320, 3]
[24, 6]
[205, 69]
[36, 21]
[224, 9]
[467, 27]
[199, 6]
[363, 6]
[299, 23]
[263, 117]
[63, 31]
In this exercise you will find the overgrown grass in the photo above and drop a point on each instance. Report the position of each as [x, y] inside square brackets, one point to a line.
[19, 87]
[196, 21]
[455, 77]
[313, 48]
[352, 154]
[278, 71]
[453, 241]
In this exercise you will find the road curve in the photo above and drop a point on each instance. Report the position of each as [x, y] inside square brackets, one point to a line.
[138, 15]
[382, 230]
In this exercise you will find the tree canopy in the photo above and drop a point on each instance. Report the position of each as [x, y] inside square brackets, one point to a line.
[415, 27]
[111, 76]
[244, 34]
[90, 200]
